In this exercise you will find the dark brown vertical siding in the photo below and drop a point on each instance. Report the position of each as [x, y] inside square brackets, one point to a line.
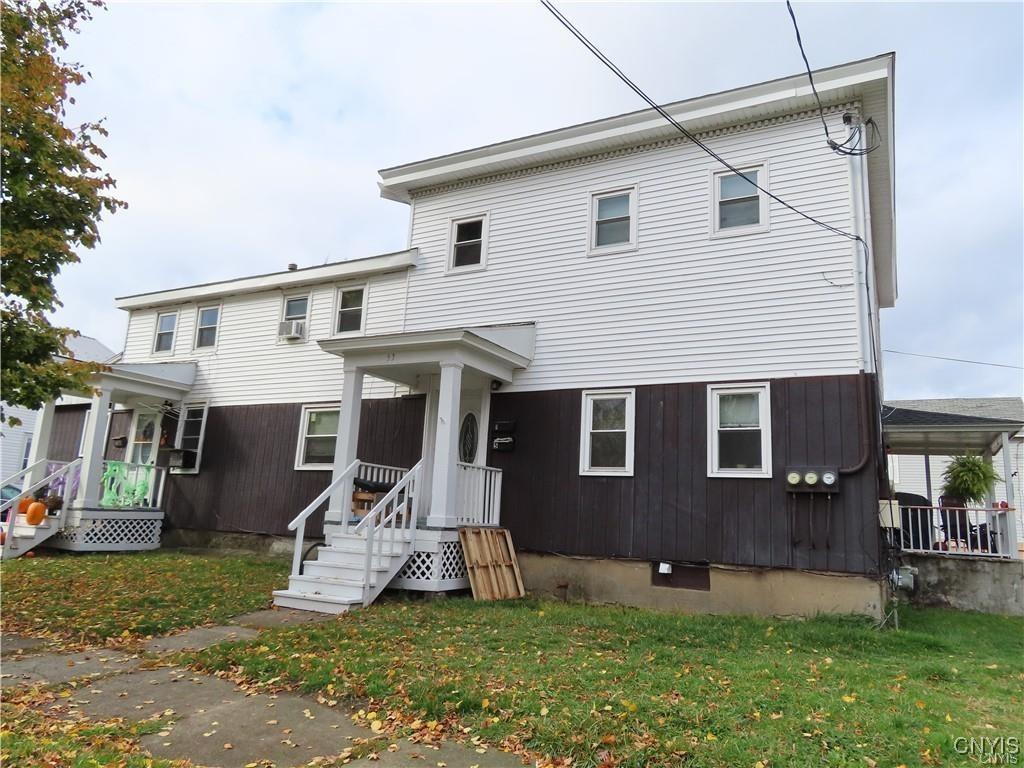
[670, 509]
[247, 481]
[66, 435]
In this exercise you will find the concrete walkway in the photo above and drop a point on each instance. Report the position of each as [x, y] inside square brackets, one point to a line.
[211, 721]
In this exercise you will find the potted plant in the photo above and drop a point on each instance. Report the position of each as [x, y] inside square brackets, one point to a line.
[967, 481]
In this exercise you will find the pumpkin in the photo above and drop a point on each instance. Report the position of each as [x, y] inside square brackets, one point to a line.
[3, 538]
[23, 504]
[36, 513]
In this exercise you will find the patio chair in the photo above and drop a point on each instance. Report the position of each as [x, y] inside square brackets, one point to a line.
[917, 529]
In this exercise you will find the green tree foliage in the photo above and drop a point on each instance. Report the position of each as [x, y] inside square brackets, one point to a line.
[53, 194]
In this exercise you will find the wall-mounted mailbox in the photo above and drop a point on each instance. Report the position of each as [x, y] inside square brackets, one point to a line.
[181, 458]
[505, 443]
[504, 427]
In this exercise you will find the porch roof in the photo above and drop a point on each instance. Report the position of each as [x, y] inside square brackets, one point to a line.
[134, 381]
[950, 426]
[494, 351]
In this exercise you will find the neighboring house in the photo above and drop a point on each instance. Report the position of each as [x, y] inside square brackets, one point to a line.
[16, 441]
[597, 336]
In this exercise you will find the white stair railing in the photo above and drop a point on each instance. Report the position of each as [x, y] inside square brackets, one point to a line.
[59, 478]
[478, 495]
[299, 523]
[26, 472]
[390, 520]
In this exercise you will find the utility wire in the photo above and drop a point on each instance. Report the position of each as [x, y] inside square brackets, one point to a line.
[850, 146]
[675, 123]
[953, 359]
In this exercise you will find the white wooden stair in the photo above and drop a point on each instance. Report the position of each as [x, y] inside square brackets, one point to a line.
[336, 581]
[25, 537]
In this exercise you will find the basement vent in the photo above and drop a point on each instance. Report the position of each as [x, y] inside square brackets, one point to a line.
[681, 576]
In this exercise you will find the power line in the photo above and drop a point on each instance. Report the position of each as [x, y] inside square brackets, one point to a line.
[848, 147]
[953, 359]
[675, 123]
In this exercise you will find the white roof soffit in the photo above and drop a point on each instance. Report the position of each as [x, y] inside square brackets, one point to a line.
[744, 104]
[340, 270]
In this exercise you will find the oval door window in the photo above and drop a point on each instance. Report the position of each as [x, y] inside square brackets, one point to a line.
[468, 439]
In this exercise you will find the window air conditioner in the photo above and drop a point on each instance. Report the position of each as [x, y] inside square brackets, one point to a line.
[292, 329]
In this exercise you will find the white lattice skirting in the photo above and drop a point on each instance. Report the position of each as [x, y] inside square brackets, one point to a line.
[110, 532]
[437, 571]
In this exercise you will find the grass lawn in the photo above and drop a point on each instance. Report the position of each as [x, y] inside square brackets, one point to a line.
[623, 687]
[76, 600]
[38, 731]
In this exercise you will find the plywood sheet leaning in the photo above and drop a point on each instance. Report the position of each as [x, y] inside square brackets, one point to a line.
[491, 562]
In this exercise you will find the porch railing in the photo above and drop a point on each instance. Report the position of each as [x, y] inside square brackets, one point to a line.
[392, 519]
[364, 470]
[128, 485]
[959, 531]
[478, 495]
[53, 484]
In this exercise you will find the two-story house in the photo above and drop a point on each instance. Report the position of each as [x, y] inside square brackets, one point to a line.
[664, 382]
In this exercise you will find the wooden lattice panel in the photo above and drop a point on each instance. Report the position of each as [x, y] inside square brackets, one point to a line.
[491, 563]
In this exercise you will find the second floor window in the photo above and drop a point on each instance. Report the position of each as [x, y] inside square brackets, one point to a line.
[739, 205]
[613, 220]
[206, 328]
[165, 325]
[469, 243]
[351, 303]
[295, 308]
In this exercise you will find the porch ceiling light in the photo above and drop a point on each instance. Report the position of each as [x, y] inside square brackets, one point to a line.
[793, 478]
[811, 478]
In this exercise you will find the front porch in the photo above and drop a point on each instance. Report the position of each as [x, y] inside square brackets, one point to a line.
[95, 502]
[396, 526]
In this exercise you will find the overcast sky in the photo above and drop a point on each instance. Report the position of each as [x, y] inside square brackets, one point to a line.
[246, 136]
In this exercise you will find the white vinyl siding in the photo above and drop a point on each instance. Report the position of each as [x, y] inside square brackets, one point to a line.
[680, 307]
[250, 366]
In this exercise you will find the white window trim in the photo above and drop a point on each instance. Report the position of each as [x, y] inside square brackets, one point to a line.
[449, 265]
[893, 461]
[303, 423]
[763, 180]
[174, 333]
[761, 388]
[205, 405]
[335, 333]
[633, 191]
[220, 322]
[285, 298]
[586, 420]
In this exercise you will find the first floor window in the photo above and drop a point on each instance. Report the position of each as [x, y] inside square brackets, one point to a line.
[606, 441]
[206, 328]
[192, 431]
[318, 435]
[165, 324]
[739, 204]
[739, 443]
[351, 303]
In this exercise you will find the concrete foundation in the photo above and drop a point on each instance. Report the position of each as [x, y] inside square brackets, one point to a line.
[761, 592]
[256, 543]
[968, 583]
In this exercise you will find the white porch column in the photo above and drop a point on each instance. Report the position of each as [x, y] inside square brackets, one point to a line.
[92, 451]
[429, 441]
[445, 475]
[347, 446]
[40, 442]
[1011, 518]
